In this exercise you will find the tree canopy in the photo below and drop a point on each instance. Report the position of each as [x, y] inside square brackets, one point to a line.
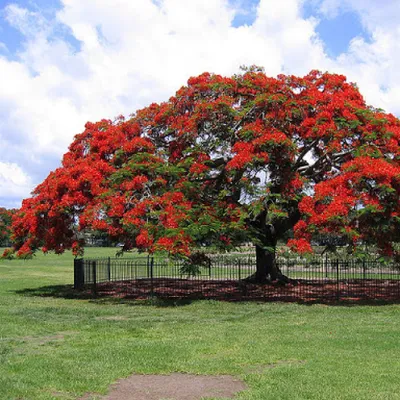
[227, 160]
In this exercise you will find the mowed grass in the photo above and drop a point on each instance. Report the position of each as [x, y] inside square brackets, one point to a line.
[57, 348]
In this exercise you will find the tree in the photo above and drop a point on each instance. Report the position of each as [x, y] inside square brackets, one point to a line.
[227, 160]
[5, 225]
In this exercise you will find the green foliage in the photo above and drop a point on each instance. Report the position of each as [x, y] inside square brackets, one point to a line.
[195, 264]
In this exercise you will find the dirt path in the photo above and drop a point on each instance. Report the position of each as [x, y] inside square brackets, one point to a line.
[173, 387]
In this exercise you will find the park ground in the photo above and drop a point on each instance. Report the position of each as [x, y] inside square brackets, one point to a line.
[54, 347]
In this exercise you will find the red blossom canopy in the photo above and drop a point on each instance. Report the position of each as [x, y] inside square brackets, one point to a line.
[227, 160]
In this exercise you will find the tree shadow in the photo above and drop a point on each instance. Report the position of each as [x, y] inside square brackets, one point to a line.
[68, 292]
[59, 291]
[169, 299]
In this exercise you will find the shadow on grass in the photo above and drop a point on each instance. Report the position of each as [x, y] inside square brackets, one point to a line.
[61, 291]
[68, 292]
[165, 300]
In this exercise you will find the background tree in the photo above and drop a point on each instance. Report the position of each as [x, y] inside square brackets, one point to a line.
[227, 160]
[5, 226]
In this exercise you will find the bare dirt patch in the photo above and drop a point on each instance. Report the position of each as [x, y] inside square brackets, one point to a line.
[260, 368]
[173, 387]
[41, 340]
[113, 318]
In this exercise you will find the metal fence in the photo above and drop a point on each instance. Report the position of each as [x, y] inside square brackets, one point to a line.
[318, 279]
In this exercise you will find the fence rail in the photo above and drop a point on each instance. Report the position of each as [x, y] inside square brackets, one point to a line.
[225, 277]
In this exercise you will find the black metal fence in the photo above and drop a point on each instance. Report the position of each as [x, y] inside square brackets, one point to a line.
[225, 278]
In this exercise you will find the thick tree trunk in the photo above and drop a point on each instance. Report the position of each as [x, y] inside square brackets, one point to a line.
[266, 241]
[265, 263]
[266, 267]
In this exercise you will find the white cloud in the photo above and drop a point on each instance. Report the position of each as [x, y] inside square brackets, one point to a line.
[384, 14]
[14, 183]
[372, 63]
[27, 22]
[293, 36]
[133, 53]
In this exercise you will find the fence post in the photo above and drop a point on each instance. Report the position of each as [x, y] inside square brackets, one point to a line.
[148, 265]
[79, 277]
[109, 269]
[240, 272]
[151, 277]
[94, 277]
[337, 280]
[363, 267]
[326, 265]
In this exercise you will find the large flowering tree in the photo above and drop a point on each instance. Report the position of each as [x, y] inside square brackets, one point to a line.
[228, 160]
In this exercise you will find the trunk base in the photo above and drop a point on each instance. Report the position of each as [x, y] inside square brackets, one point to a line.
[279, 280]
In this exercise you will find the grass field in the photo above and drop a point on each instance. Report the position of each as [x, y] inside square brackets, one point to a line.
[56, 348]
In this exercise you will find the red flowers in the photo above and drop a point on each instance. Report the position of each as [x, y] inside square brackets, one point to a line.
[240, 160]
[176, 245]
[301, 246]
[198, 168]
[137, 183]
[144, 239]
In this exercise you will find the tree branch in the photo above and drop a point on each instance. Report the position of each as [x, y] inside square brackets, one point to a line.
[238, 123]
[305, 150]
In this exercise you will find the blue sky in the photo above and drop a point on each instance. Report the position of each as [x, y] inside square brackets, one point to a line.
[64, 62]
[337, 31]
[15, 40]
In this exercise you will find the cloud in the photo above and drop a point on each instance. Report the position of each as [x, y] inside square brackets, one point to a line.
[373, 63]
[29, 23]
[292, 35]
[97, 59]
[14, 184]
[372, 16]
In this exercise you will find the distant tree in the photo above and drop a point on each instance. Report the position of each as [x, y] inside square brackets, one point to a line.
[227, 161]
[5, 225]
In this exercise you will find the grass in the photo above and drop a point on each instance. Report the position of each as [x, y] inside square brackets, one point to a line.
[57, 348]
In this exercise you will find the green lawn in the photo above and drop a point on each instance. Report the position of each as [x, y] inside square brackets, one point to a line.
[56, 348]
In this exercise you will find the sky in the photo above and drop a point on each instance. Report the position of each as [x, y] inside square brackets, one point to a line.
[66, 62]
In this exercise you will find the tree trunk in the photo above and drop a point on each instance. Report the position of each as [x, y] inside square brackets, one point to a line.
[266, 268]
[266, 241]
[265, 262]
